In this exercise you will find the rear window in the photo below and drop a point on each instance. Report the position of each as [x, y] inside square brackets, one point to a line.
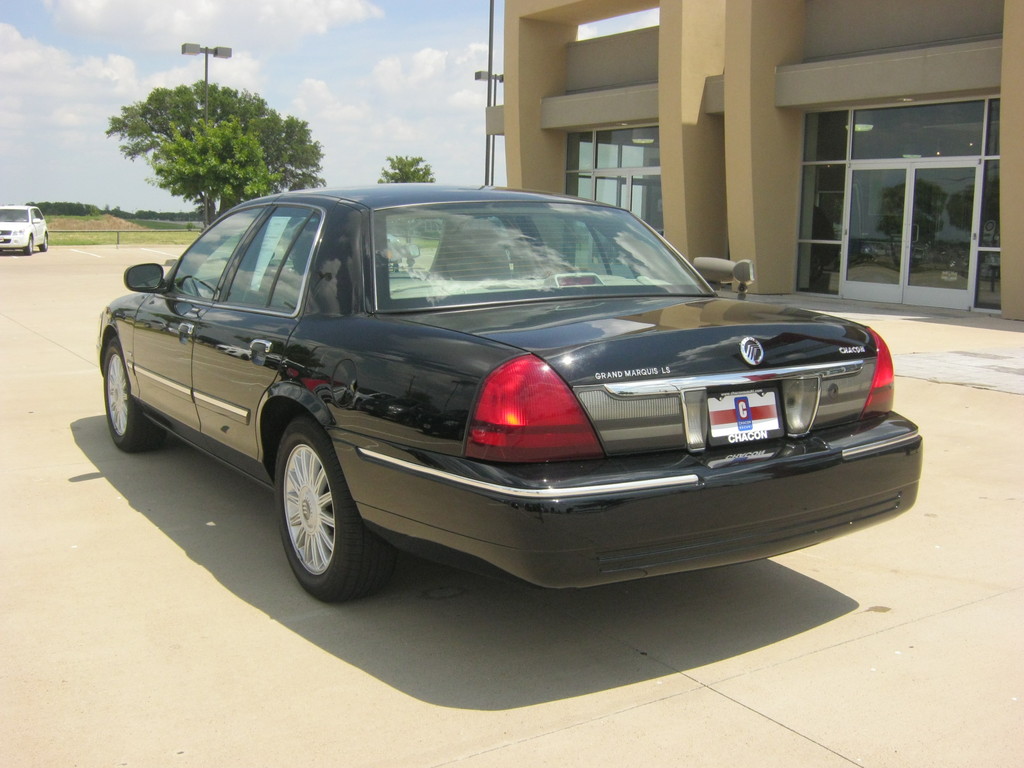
[476, 253]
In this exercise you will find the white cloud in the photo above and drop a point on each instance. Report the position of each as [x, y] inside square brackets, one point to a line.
[58, 99]
[246, 23]
[620, 24]
[424, 66]
[315, 103]
[423, 103]
[469, 98]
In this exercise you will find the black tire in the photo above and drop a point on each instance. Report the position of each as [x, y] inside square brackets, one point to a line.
[331, 552]
[45, 245]
[30, 248]
[129, 428]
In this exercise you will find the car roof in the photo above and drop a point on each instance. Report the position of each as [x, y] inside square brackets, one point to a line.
[396, 195]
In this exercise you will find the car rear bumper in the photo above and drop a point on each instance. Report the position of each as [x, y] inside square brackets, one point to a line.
[579, 524]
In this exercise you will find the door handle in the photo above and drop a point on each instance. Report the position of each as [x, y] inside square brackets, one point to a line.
[185, 331]
[258, 351]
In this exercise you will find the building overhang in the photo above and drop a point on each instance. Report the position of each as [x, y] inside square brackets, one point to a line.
[631, 105]
[959, 70]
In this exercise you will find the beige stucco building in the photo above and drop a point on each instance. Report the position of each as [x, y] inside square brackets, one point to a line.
[849, 147]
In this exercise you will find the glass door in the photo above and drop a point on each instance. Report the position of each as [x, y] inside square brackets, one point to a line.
[909, 236]
[875, 234]
[941, 237]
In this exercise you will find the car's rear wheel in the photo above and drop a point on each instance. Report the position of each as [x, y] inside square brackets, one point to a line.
[129, 428]
[30, 246]
[45, 245]
[332, 553]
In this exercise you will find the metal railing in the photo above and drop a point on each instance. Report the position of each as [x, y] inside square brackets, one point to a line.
[118, 237]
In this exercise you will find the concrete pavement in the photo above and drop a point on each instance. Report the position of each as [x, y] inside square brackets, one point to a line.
[148, 616]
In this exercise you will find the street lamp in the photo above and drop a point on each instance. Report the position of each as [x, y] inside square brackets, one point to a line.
[220, 52]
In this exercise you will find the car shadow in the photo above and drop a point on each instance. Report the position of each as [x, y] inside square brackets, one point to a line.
[450, 637]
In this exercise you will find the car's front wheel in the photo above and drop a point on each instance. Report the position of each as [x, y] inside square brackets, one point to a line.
[332, 553]
[129, 428]
[30, 246]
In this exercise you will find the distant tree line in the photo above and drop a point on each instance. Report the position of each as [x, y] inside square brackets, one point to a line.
[85, 209]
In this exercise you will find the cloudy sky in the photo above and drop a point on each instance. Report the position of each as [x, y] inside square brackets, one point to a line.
[371, 77]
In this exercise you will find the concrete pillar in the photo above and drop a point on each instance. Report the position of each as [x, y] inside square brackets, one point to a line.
[535, 53]
[692, 47]
[1011, 161]
[763, 143]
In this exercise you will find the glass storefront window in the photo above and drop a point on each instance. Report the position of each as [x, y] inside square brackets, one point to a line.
[645, 200]
[628, 148]
[990, 206]
[620, 167]
[988, 285]
[580, 185]
[934, 130]
[992, 146]
[580, 154]
[825, 136]
[821, 215]
[818, 267]
[613, 190]
[823, 201]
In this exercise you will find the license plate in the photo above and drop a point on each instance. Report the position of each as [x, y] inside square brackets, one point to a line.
[743, 417]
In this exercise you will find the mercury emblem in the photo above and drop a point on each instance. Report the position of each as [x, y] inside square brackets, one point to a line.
[751, 350]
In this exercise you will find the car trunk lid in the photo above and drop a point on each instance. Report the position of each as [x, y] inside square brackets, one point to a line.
[655, 374]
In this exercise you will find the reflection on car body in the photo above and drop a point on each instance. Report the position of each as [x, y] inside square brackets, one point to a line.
[537, 385]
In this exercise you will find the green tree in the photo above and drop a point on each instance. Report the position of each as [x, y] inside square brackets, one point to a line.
[403, 169]
[221, 161]
[290, 154]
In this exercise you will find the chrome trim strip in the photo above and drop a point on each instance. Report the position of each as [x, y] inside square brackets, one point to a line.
[742, 378]
[139, 370]
[533, 493]
[231, 410]
[881, 445]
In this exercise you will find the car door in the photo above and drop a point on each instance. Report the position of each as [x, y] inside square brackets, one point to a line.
[38, 226]
[165, 324]
[240, 340]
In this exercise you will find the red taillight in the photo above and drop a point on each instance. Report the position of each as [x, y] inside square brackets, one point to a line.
[882, 385]
[526, 412]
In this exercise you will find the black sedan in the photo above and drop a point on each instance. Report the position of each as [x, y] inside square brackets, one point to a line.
[513, 382]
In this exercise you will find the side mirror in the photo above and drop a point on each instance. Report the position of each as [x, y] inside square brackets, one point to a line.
[144, 278]
[719, 271]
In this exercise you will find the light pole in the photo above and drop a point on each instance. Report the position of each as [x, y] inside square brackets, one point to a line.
[492, 97]
[220, 52]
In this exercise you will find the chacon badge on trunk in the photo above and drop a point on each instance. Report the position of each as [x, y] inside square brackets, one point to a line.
[751, 350]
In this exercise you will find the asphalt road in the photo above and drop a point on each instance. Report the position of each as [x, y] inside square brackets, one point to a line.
[148, 616]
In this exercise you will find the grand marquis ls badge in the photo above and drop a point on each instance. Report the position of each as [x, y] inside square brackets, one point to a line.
[751, 350]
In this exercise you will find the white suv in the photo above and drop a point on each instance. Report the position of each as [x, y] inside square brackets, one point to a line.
[23, 227]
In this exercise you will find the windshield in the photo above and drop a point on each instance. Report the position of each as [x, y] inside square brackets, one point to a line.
[13, 214]
[474, 253]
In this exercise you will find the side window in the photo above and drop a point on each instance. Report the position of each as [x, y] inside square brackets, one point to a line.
[201, 267]
[270, 272]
